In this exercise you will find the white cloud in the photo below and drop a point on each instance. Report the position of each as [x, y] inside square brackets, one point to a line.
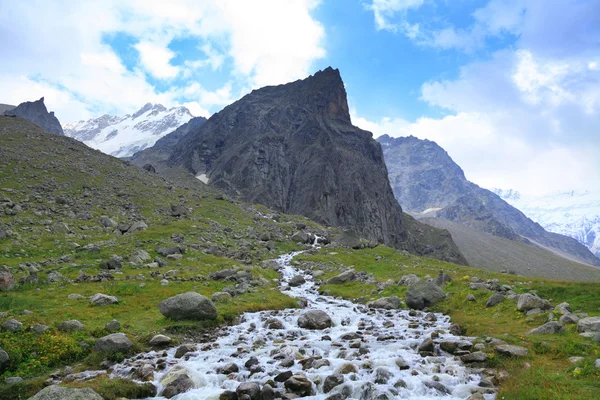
[267, 41]
[386, 10]
[156, 59]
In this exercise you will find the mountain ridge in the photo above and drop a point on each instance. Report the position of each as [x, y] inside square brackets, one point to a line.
[428, 182]
[36, 112]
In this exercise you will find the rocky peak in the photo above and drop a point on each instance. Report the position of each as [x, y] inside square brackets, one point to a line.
[36, 112]
[147, 107]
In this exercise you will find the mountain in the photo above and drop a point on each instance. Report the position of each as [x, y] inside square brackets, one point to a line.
[293, 148]
[123, 136]
[5, 107]
[570, 213]
[428, 183]
[36, 112]
[163, 148]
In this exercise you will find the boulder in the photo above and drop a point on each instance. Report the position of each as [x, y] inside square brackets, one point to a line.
[273, 323]
[442, 279]
[12, 325]
[510, 350]
[562, 309]
[160, 341]
[424, 294]
[478, 356]
[409, 279]
[137, 226]
[590, 324]
[495, 299]
[299, 385]
[220, 297]
[113, 343]
[190, 305]
[346, 276]
[100, 299]
[167, 251]
[347, 238]
[56, 392]
[551, 327]
[300, 237]
[250, 389]
[113, 326]
[387, 303]
[314, 319]
[568, 319]
[140, 256]
[529, 301]
[297, 280]
[184, 349]
[39, 328]
[70, 326]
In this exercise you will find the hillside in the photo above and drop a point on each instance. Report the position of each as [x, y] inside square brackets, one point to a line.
[495, 253]
[427, 182]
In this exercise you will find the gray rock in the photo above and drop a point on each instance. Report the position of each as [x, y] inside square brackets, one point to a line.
[402, 364]
[267, 392]
[409, 279]
[551, 327]
[529, 301]
[115, 262]
[568, 319]
[424, 294]
[477, 356]
[12, 325]
[300, 237]
[332, 381]
[470, 297]
[56, 392]
[39, 328]
[179, 385]
[597, 363]
[297, 280]
[344, 277]
[589, 324]
[54, 277]
[347, 238]
[70, 326]
[299, 384]
[250, 389]
[184, 349]
[562, 309]
[100, 299]
[140, 256]
[160, 341]
[387, 303]
[220, 297]
[75, 296]
[495, 299]
[13, 380]
[510, 350]
[443, 390]
[273, 323]
[190, 305]
[314, 319]
[61, 227]
[137, 226]
[113, 342]
[113, 326]
[166, 251]
[426, 346]
[108, 222]
[442, 279]
[382, 375]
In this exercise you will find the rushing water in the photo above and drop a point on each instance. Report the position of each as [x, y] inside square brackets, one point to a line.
[238, 343]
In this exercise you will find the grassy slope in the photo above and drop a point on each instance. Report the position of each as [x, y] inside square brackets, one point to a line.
[551, 375]
[67, 177]
[485, 251]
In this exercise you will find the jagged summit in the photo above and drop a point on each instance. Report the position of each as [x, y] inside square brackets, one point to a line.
[293, 147]
[36, 112]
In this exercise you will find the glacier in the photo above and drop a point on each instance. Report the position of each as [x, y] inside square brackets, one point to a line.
[126, 135]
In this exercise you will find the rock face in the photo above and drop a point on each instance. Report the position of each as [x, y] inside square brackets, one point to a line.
[56, 392]
[426, 181]
[293, 148]
[423, 294]
[36, 112]
[190, 305]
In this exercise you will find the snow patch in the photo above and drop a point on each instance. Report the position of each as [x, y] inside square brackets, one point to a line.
[202, 178]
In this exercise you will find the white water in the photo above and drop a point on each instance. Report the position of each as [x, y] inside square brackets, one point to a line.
[245, 341]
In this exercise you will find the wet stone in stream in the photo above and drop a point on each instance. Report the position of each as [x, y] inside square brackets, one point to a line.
[366, 354]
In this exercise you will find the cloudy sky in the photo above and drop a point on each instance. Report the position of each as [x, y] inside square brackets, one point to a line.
[510, 88]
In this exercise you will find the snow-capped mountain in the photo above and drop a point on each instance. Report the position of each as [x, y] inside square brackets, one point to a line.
[123, 136]
[575, 214]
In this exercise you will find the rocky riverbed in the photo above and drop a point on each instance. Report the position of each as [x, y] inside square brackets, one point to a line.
[331, 349]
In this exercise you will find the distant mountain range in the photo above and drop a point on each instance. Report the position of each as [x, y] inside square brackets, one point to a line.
[126, 135]
[428, 183]
[571, 213]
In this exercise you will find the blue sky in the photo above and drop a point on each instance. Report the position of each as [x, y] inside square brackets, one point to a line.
[510, 88]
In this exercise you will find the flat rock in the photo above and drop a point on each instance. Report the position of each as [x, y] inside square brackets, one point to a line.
[510, 350]
[56, 392]
[551, 327]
